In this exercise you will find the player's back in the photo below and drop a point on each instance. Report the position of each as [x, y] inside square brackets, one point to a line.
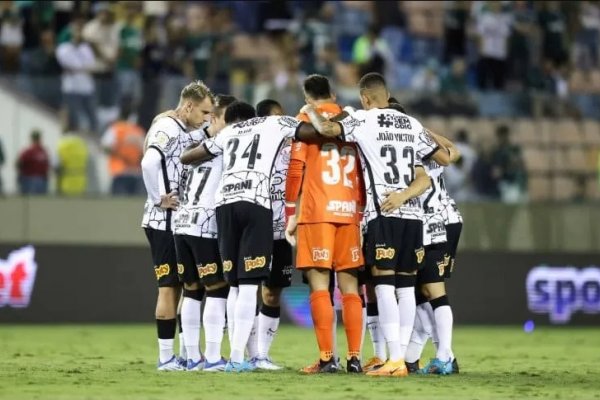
[331, 188]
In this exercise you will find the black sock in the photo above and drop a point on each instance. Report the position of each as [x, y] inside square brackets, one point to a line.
[166, 328]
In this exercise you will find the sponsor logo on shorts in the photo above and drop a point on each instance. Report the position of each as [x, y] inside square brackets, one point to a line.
[420, 253]
[355, 254]
[442, 265]
[288, 270]
[384, 253]
[227, 265]
[258, 262]
[207, 269]
[180, 268]
[162, 270]
[320, 254]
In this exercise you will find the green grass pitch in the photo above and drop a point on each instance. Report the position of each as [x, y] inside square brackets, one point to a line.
[118, 362]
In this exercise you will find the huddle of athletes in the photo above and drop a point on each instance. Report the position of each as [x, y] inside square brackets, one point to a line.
[357, 195]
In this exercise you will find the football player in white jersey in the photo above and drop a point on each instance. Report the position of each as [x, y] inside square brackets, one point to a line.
[162, 172]
[244, 214]
[280, 277]
[198, 260]
[393, 146]
[442, 226]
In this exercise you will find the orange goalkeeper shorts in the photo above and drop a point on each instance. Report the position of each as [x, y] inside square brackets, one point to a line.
[327, 245]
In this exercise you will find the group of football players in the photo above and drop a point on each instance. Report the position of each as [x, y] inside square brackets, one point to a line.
[238, 196]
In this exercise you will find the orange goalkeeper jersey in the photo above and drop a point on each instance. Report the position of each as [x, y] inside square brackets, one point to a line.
[332, 187]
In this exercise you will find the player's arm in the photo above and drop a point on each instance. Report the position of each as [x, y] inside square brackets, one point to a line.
[323, 126]
[394, 200]
[448, 153]
[199, 153]
[151, 170]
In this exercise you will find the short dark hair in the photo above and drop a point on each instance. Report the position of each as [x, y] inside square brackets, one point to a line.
[36, 135]
[222, 101]
[239, 111]
[317, 86]
[371, 80]
[264, 107]
[397, 106]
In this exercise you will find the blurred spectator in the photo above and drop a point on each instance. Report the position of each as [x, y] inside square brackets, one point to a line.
[2, 159]
[103, 33]
[349, 20]
[588, 37]
[458, 175]
[456, 16]
[485, 182]
[222, 51]
[371, 53]
[392, 22]
[128, 60]
[427, 78]
[77, 60]
[177, 65]
[72, 164]
[508, 167]
[493, 28]
[11, 39]
[124, 142]
[454, 91]
[32, 166]
[554, 32]
[153, 64]
[524, 22]
[199, 43]
[42, 61]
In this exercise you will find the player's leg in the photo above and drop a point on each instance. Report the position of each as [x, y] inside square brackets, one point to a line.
[280, 277]
[162, 247]
[254, 258]
[348, 258]
[421, 330]
[382, 255]
[210, 271]
[411, 259]
[192, 300]
[315, 257]
[377, 338]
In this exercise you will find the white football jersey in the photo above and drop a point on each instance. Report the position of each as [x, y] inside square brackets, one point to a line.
[392, 145]
[196, 214]
[434, 230]
[249, 150]
[169, 137]
[450, 211]
[279, 174]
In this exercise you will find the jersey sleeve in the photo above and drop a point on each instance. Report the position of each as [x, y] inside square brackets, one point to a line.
[426, 146]
[214, 145]
[287, 126]
[298, 151]
[352, 126]
[163, 136]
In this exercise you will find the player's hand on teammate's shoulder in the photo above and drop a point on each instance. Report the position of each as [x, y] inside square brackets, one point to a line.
[393, 201]
[169, 201]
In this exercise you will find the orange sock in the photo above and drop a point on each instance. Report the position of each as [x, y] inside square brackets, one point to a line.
[352, 314]
[322, 315]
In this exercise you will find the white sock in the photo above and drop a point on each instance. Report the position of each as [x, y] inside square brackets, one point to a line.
[443, 324]
[245, 308]
[190, 321]
[377, 338]
[182, 351]
[231, 299]
[407, 308]
[252, 345]
[420, 334]
[165, 349]
[214, 322]
[432, 329]
[267, 328]
[364, 331]
[389, 319]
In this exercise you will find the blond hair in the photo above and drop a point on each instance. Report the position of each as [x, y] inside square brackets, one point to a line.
[196, 91]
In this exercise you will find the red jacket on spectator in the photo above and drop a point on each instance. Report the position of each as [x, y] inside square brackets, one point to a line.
[33, 161]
